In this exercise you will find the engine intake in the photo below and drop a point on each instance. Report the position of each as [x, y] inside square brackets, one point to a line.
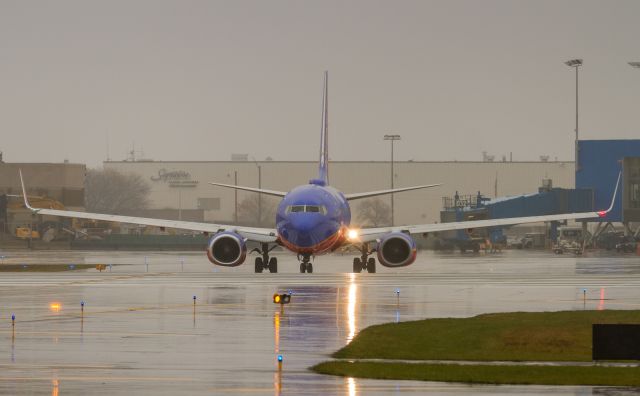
[227, 249]
[396, 250]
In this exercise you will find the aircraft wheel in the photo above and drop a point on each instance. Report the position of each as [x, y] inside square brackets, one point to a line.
[303, 268]
[273, 265]
[371, 265]
[357, 265]
[259, 265]
[309, 268]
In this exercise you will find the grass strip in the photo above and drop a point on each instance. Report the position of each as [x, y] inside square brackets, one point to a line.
[486, 374]
[516, 336]
[43, 267]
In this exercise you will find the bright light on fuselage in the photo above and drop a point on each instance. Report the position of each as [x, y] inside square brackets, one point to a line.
[352, 234]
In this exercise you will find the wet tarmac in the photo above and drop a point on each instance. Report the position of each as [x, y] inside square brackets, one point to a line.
[139, 331]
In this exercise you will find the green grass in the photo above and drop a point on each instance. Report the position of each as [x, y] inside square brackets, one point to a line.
[43, 267]
[519, 336]
[484, 374]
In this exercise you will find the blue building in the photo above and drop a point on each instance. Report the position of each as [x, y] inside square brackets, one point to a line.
[599, 163]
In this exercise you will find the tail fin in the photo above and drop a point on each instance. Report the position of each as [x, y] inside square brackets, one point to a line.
[323, 170]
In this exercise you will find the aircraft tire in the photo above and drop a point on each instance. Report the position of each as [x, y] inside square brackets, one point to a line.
[357, 265]
[303, 268]
[371, 265]
[259, 265]
[309, 268]
[273, 265]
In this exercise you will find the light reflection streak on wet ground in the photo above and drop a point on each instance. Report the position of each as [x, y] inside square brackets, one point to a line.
[351, 307]
[140, 333]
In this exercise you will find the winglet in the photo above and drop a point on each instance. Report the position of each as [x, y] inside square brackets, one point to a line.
[24, 194]
[603, 213]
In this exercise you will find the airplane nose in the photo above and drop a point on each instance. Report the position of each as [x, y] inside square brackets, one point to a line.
[304, 223]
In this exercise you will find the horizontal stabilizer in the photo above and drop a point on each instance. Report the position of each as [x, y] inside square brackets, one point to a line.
[350, 197]
[258, 190]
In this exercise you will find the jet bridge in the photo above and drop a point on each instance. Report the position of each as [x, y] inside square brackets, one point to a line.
[547, 200]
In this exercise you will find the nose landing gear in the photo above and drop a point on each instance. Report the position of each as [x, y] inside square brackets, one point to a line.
[264, 262]
[305, 264]
[364, 262]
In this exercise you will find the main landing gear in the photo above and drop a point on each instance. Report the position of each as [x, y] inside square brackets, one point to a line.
[264, 262]
[364, 262]
[305, 264]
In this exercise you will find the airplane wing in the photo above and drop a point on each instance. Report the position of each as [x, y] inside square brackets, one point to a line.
[265, 235]
[372, 234]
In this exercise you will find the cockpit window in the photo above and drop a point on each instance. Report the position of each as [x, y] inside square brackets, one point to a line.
[307, 209]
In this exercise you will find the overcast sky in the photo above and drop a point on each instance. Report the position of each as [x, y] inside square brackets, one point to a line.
[198, 80]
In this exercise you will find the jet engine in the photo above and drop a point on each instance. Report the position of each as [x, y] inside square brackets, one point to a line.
[396, 250]
[227, 249]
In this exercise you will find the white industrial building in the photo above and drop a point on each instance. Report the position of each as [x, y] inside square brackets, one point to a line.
[182, 186]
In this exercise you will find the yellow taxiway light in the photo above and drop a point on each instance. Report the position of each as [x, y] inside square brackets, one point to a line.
[281, 298]
[55, 307]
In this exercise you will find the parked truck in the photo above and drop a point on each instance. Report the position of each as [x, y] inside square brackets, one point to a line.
[570, 240]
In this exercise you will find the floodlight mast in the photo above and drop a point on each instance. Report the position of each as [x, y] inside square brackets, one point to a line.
[576, 63]
[392, 138]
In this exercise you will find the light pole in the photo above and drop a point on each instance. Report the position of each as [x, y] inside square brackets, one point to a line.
[259, 194]
[576, 63]
[235, 192]
[179, 203]
[392, 138]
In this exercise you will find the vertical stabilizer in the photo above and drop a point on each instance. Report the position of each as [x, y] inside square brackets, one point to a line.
[324, 135]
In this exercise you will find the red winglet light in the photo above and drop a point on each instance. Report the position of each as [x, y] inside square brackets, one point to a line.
[602, 213]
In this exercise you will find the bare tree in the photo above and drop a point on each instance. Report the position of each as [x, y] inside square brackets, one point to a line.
[374, 213]
[248, 211]
[112, 192]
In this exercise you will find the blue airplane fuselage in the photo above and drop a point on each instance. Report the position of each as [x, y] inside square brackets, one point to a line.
[313, 219]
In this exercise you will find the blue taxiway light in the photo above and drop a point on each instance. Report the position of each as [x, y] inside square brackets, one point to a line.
[82, 303]
[280, 358]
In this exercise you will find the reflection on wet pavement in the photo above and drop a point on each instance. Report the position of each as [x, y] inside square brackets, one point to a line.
[140, 332]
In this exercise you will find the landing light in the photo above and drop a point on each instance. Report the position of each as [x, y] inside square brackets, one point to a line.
[352, 234]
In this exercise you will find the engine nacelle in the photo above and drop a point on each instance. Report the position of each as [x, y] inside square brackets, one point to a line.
[227, 249]
[396, 249]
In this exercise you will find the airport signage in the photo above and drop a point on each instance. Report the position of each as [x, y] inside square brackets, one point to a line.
[177, 178]
[616, 342]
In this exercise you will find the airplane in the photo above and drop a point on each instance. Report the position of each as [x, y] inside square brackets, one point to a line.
[314, 219]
